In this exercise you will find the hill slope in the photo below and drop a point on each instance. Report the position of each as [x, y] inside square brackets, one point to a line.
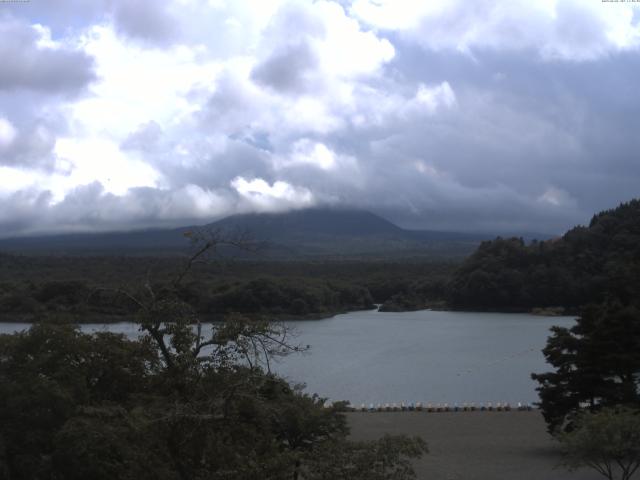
[311, 222]
[309, 232]
[588, 264]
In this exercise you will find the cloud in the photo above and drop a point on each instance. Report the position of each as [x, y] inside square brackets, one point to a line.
[313, 153]
[145, 138]
[7, 134]
[31, 60]
[39, 76]
[90, 207]
[434, 97]
[489, 115]
[147, 20]
[556, 30]
[258, 195]
[287, 70]
[32, 146]
[556, 197]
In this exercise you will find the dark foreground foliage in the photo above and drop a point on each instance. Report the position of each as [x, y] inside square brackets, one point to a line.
[78, 406]
[607, 441]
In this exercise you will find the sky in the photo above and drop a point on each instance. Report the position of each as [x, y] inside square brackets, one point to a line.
[492, 116]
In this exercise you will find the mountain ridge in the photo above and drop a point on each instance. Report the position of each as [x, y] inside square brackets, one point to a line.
[315, 231]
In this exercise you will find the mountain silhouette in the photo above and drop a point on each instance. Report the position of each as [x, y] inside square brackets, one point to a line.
[308, 232]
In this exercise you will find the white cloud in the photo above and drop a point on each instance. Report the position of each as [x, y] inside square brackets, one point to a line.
[7, 134]
[557, 198]
[426, 169]
[136, 85]
[308, 153]
[395, 14]
[97, 159]
[432, 98]
[348, 49]
[193, 201]
[313, 153]
[15, 179]
[558, 29]
[261, 196]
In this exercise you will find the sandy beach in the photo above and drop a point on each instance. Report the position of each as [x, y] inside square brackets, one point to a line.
[474, 445]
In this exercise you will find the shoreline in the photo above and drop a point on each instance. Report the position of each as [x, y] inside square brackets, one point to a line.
[72, 318]
[112, 319]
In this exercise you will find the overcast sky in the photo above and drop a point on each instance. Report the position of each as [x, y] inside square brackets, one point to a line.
[451, 115]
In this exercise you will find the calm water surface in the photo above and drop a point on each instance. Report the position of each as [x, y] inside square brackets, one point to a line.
[412, 356]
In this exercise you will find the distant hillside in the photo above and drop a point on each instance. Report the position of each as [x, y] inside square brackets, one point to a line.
[139, 241]
[588, 264]
[328, 232]
[310, 232]
[311, 222]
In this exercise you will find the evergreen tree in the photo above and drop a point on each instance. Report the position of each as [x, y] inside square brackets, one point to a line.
[597, 364]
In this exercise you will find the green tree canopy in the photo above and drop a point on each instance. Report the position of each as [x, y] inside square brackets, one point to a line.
[587, 264]
[597, 364]
[607, 441]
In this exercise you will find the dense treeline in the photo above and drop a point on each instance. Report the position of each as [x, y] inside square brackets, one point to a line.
[586, 265]
[84, 289]
[420, 294]
[278, 297]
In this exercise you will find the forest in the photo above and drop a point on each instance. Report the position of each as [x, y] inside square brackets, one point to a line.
[84, 289]
[586, 265]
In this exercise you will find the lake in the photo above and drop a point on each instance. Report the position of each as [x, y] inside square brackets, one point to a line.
[427, 356]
